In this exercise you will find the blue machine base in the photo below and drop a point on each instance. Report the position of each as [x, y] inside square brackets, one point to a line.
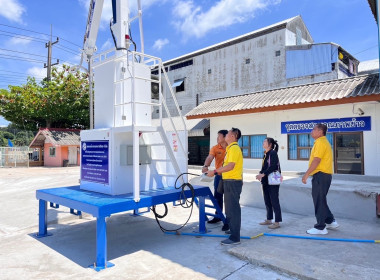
[37, 235]
[99, 268]
[102, 205]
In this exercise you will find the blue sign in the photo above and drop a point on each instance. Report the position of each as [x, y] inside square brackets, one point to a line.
[95, 161]
[333, 125]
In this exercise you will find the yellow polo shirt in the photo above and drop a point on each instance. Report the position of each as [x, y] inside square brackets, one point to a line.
[233, 154]
[322, 149]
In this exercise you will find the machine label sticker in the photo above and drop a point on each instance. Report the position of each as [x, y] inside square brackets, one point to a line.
[95, 161]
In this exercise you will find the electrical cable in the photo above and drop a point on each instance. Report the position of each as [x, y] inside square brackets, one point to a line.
[63, 39]
[187, 204]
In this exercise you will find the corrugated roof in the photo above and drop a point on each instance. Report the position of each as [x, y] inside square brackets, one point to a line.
[194, 127]
[339, 91]
[368, 66]
[57, 136]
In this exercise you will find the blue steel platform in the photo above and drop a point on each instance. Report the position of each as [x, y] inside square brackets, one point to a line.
[102, 205]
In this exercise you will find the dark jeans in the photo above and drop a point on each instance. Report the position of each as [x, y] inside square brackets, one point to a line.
[272, 202]
[320, 187]
[232, 191]
[218, 196]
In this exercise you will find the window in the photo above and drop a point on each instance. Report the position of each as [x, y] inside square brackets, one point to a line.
[52, 151]
[180, 107]
[209, 71]
[252, 145]
[278, 53]
[157, 111]
[179, 85]
[181, 64]
[300, 145]
[247, 61]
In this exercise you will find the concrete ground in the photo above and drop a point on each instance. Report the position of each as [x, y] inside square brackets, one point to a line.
[140, 250]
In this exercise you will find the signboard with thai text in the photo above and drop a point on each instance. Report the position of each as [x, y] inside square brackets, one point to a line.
[95, 161]
[333, 125]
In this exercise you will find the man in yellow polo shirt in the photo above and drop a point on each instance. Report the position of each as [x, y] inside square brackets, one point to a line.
[232, 175]
[321, 168]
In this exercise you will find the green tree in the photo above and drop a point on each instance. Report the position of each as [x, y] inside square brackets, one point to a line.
[62, 102]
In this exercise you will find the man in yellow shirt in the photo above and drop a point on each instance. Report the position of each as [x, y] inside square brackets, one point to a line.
[232, 174]
[321, 168]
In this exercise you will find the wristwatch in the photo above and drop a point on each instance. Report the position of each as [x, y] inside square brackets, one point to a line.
[215, 173]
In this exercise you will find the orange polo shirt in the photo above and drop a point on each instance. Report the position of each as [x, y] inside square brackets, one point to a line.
[218, 152]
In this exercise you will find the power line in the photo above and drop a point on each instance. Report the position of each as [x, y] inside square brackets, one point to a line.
[20, 58]
[40, 33]
[18, 76]
[67, 50]
[24, 53]
[21, 35]
[7, 71]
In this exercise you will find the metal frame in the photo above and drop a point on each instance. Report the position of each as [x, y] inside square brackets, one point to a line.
[102, 205]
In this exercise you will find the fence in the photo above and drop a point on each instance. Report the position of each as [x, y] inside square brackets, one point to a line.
[15, 156]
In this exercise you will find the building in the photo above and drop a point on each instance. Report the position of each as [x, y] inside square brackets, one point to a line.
[275, 56]
[350, 107]
[57, 146]
[368, 67]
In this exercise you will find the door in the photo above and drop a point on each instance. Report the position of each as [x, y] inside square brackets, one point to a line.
[349, 153]
[73, 155]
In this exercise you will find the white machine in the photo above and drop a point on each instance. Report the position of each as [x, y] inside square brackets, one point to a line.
[125, 153]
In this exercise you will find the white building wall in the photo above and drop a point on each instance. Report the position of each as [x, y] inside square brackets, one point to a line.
[230, 74]
[269, 123]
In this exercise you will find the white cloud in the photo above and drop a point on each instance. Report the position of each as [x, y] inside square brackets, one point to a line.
[107, 45]
[192, 21]
[18, 41]
[12, 10]
[37, 72]
[160, 43]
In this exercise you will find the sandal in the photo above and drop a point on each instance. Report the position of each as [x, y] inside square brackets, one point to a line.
[266, 222]
[274, 226]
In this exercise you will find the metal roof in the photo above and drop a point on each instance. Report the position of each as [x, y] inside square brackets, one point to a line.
[372, 4]
[56, 137]
[353, 89]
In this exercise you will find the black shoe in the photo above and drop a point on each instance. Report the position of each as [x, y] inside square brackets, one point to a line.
[225, 227]
[214, 221]
[227, 232]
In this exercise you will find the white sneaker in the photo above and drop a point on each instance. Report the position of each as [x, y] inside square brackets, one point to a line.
[317, 231]
[333, 225]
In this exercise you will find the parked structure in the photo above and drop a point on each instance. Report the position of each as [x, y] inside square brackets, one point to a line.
[275, 56]
[58, 147]
[350, 107]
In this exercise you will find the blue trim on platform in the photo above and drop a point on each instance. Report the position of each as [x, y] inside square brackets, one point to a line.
[103, 205]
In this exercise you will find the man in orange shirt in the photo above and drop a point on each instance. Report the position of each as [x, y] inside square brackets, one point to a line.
[218, 152]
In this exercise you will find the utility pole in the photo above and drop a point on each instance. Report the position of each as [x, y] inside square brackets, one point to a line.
[49, 46]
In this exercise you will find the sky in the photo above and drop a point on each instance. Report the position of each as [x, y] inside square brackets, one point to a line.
[171, 28]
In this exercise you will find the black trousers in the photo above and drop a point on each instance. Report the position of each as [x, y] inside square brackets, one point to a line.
[232, 191]
[320, 187]
[272, 201]
[218, 196]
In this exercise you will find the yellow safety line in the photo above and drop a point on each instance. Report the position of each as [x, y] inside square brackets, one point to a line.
[253, 237]
[377, 241]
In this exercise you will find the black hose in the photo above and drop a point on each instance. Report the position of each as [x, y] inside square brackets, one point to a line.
[187, 204]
